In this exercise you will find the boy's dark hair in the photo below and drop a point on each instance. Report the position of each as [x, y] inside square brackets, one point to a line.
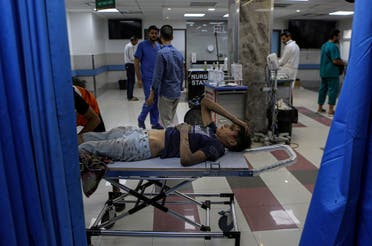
[166, 32]
[243, 141]
[153, 27]
[333, 33]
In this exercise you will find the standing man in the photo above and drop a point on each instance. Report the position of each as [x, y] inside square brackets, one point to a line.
[168, 77]
[145, 55]
[330, 67]
[129, 51]
[291, 57]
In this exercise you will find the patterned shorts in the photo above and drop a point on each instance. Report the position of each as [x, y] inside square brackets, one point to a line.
[127, 143]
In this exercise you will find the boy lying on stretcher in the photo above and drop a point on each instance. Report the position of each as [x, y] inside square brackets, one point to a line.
[189, 143]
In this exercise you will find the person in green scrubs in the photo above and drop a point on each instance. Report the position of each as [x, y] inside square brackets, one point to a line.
[330, 66]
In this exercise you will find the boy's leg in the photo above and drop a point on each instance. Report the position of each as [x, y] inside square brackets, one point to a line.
[112, 134]
[130, 147]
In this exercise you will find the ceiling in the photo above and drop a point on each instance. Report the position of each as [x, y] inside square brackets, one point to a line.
[175, 9]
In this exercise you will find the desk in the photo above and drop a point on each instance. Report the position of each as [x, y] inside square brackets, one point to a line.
[232, 98]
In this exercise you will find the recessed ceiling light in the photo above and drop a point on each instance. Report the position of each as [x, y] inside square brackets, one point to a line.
[107, 10]
[299, 0]
[226, 15]
[298, 11]
[169, 8]
[193, 15]
[211, 9]
[342, 13]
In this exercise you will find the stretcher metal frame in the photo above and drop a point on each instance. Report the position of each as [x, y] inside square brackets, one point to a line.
[183, 175]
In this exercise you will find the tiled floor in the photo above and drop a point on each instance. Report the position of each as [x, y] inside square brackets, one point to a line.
[271, 207]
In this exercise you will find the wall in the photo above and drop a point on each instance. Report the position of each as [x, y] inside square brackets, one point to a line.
[200, 34]
[88, 37]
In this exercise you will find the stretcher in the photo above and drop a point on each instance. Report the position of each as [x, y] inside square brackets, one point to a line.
[156, 172]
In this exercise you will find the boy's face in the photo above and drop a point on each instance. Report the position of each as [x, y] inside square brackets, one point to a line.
[228, 134]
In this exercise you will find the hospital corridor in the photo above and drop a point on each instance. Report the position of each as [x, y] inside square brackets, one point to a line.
[271, 208]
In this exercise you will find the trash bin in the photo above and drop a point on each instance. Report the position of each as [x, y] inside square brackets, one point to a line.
[285, 119]
[123, 84]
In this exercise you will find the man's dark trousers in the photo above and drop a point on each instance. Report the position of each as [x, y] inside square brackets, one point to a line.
[129, 67]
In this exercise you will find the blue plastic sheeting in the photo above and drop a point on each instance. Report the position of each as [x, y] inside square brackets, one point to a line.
[340, 211]
[40, 201]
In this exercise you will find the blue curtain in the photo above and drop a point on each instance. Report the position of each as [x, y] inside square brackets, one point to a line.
[40, 194]
[340, 211]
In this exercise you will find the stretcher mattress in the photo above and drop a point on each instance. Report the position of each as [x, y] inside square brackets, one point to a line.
[231, 164]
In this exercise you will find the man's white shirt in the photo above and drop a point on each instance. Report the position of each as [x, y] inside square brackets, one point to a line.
[129, 52]
[290, 59]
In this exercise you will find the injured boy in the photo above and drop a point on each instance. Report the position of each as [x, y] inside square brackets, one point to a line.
[192, 145]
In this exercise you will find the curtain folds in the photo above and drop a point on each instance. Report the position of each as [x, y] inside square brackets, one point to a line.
[41, 201]
[340, 211]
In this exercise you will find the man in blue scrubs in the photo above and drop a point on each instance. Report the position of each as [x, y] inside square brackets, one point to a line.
[144, 64]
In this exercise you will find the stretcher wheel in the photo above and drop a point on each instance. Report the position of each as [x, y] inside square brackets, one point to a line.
[193, 117]
[225, 223]
[109, 214]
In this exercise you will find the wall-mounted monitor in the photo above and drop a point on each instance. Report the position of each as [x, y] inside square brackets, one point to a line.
[310, 34]
[124, 28]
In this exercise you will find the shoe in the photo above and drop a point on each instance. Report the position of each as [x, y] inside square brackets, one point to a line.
[157, 126]
[331, 113]
[141, 124]
[321, 111]
[133, 99]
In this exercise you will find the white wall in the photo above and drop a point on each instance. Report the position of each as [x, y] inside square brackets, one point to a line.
[84, 31]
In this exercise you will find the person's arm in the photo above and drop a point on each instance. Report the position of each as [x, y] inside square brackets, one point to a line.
[208, 106]
[285, 57]
[87, 112]
[138, 71]
[92, 119]
[338, 62]
[125, 54]
[336, 57]
[187, 157]
[156, 78]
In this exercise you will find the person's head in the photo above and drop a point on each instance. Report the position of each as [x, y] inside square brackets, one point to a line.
[334, 36]
[166, 33]
[285, 37]
[233, 137]
[153, 32]
[134, 40]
